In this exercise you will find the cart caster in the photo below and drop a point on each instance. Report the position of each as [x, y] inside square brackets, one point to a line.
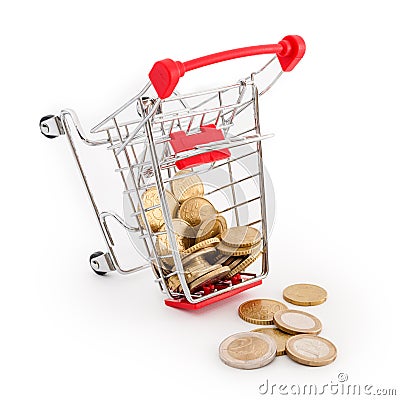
[50, 126]
[97, 263]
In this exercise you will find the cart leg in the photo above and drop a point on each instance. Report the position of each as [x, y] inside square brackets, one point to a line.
[53, 126]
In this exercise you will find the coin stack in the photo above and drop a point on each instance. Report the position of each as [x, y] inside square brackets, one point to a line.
[210, 251]
[295, 332]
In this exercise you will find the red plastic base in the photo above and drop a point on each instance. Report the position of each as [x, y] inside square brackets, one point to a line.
[184, 304]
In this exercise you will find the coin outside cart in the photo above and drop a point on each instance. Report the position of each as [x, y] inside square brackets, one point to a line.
[305, 294]
[295, 321]
[260, 311]
[247, 350]
[279, 336]
[311, 350]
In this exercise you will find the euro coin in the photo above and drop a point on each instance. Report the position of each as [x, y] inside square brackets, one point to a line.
[242, 265]
[241, 236]
[197, 268]
[305, 294]
[183, 233]
[239, 251]
[173, 282]
[211, 227]
[154, 216]
[196, 210]
[207, 253]
[260, 311]
[220, 258]
[233, 262]
[219, 272]
[214, 275]
[202, 245]
[295, 321]
[189, 185]
[279, 337]
[311, 350]
[247, 350]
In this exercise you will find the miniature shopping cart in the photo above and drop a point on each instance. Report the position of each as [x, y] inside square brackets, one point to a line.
[213, 133]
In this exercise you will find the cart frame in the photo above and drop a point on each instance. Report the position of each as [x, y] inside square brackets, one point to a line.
[152, 129]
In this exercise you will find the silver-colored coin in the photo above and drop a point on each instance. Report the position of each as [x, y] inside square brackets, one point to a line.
[311, 350]
[247, 350]
[296, 321]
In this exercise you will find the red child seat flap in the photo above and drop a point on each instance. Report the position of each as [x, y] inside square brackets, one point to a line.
[180, 141]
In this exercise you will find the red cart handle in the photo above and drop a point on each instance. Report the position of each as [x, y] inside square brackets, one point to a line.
[165, 74]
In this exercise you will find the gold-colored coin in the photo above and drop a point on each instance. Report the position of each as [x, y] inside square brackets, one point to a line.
[196, 210]
[196, 272]
[220, 258]
[311, 350]
[295, 321]
[241, 236]
[165, 268]
[237, 252]
[232, 261]
[155, 218]
[211, 227]
[194, 263]
[202, 245]
[197, 268]
[260, 311]
[305, 294]
[187, 186]
[207, 253]
[168, 265]
[173, 282]
[279, 336]
[211, 277]
[243, 265]
[183, 233]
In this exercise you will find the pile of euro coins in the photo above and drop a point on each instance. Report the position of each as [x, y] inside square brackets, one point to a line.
[210, 251]
[296, 333]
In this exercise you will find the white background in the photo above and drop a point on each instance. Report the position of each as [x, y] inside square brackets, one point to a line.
[69, 334]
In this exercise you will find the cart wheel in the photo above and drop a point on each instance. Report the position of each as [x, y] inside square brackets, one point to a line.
[94, 255]
[44, 128]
